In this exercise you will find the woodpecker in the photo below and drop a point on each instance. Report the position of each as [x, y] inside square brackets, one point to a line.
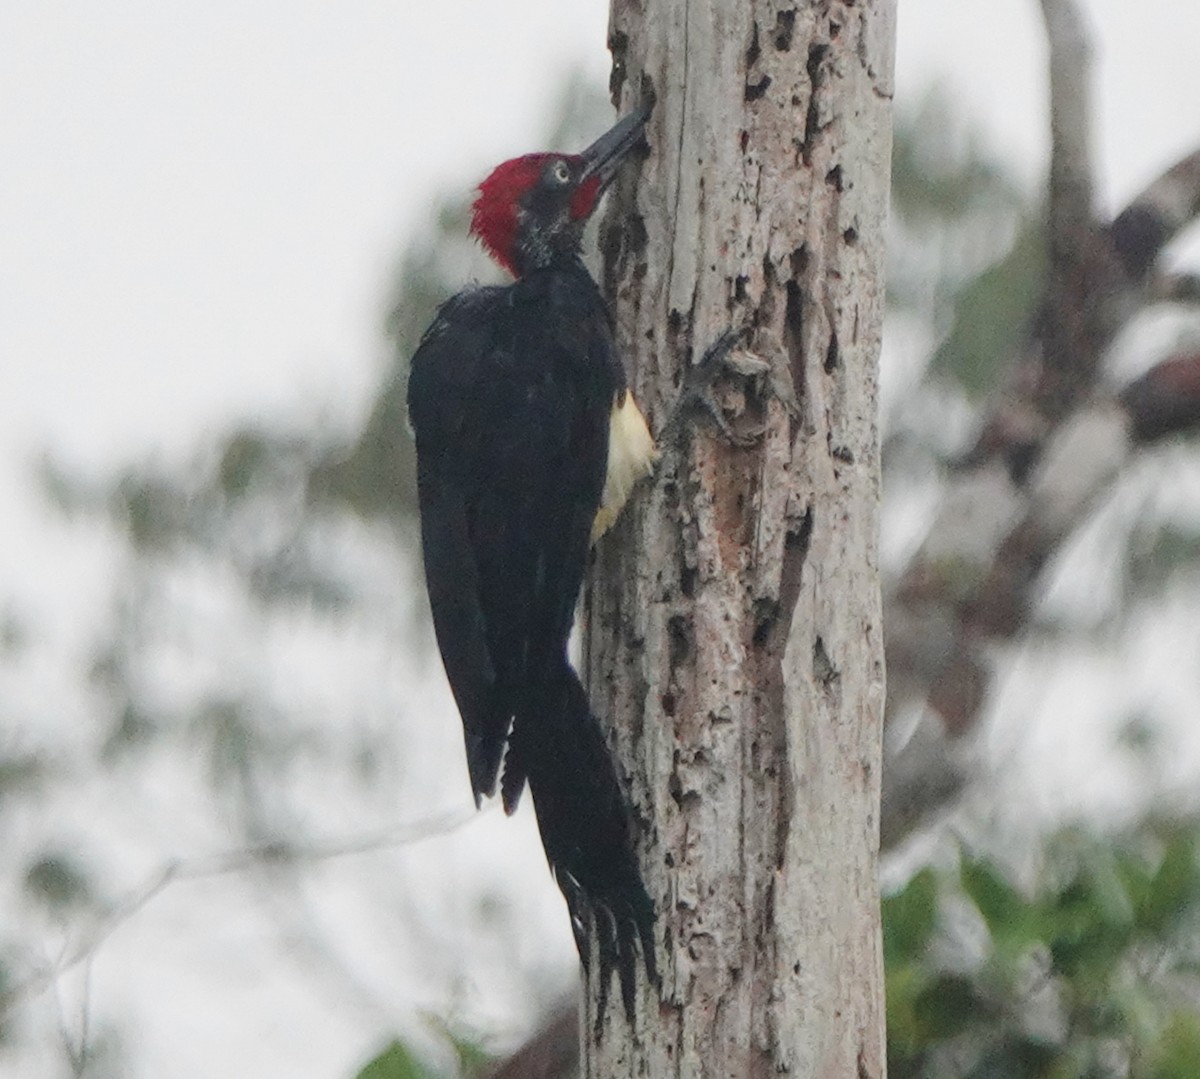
[528, 443]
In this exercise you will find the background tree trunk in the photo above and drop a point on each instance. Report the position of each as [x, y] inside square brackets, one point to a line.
[733, 617]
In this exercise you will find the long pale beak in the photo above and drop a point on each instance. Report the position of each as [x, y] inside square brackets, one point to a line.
[604, 157]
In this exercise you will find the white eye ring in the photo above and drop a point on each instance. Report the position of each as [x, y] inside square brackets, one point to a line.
[561, 173]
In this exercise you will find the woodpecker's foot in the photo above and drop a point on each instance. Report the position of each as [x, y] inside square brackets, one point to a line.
[621, 924]
[722, 357]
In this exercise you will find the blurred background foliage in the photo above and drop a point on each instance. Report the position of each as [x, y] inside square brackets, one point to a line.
[279, 559]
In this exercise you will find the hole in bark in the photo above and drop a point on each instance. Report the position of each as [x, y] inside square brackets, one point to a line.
[675, 789]
[816, 54]
[850, 237]
[834, 178]
[624, 246]
[618, 45]
[785, 25]
[755, 90]
[636, 236]
[680, 640]
[739, 287]
[744, 140]
[823, 669]
[798, 538]
[833, 354]
[766, 612]
[793, 320]
[755, 50]
[649, 95]
[794, 314]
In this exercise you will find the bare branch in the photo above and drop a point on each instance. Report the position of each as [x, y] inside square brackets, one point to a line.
[1165, 400]
[90, 943]
[238, 861]
[1182, 288]
[1013, 499]
[1156, 216]
[977, 610]
[1078, 318]
[1070, 122]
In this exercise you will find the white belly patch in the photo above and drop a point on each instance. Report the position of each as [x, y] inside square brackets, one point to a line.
[632, 456]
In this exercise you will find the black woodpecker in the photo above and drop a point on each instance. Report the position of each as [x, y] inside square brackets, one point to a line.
[528, 444]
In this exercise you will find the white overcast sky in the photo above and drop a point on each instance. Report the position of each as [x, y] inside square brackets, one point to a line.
[201, 204]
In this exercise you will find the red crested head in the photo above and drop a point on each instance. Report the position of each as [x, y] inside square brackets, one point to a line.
[531, 210]
[497, 212]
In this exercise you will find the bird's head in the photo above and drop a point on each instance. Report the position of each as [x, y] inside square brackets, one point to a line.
[531, 210]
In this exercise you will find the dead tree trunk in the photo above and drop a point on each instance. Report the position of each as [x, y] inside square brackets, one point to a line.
[733, 618]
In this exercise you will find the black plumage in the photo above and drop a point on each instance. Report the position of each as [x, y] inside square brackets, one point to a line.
[511, 397]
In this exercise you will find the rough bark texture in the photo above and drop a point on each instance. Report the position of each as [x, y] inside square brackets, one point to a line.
[733, 643]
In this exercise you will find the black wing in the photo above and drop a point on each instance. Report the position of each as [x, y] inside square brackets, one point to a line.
[510, 410]
[510, 399]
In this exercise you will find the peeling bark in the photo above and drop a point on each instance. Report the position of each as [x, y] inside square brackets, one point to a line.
[733, 642]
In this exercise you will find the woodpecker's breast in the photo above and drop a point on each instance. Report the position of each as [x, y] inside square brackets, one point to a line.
[631, 457]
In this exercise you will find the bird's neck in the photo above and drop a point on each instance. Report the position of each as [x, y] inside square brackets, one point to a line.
[563, 262]
[540, 245]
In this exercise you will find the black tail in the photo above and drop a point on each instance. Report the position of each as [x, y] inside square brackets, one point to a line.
[584, 821]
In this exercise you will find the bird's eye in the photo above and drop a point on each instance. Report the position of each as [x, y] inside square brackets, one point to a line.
[560, 172]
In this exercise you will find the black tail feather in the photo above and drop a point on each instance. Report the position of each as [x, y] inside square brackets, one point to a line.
[627, 964]
[583, 818]
[513, 781]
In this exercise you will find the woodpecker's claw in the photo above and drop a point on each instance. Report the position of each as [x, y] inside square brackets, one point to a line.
[721, 357]
[620, 925]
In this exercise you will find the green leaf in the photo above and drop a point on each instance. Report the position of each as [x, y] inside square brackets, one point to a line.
[909, 918]
[947, 1008]
[245, 455]
[1108, 886]
[989, 313]
[395, 1062]
[471, 1058]
[1178, 1055]
[1174, 886]
[941, 173]
[1018, 1057]
[1002, 907]
[1085, 945]
[904, 983]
